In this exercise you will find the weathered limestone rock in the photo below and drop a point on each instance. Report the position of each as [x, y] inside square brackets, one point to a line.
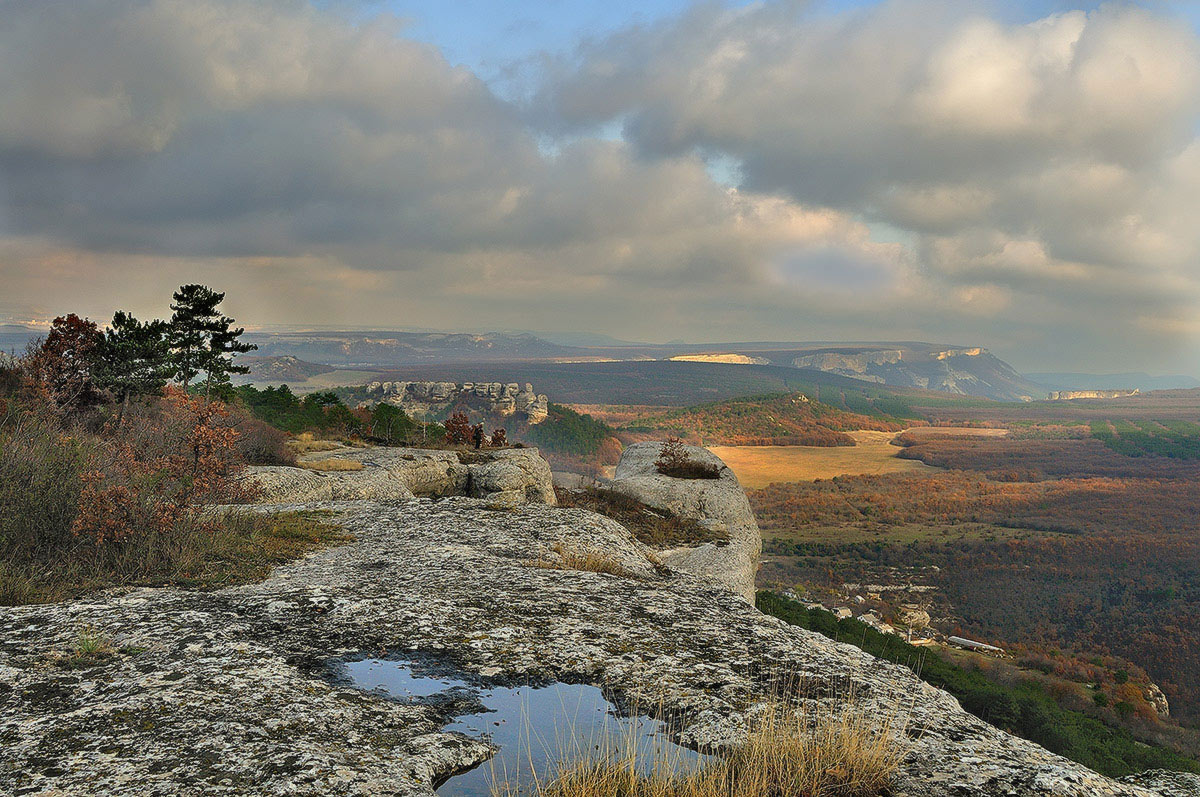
[1175, 784]
[227, 692]
[716, 501]
[279, 483]
[519, 473]
[398, 474]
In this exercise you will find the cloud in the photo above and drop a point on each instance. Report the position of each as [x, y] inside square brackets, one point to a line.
[327, 169]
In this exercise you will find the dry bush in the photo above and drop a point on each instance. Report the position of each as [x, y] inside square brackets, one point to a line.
[673, 460]
[587, 559]
[40, 469]
[258, 442]
[650, 526]
[843, 752]
[332, 465]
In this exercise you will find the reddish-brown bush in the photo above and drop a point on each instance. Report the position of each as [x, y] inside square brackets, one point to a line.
[458, 429]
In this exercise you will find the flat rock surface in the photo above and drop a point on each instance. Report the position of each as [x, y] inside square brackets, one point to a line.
[229, 692]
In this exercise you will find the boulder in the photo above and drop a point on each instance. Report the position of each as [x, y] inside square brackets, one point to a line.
[399, 474]
[519, 472]
[720, 500]
[279, 484]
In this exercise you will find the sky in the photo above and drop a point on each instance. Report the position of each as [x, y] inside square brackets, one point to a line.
[1023, 176]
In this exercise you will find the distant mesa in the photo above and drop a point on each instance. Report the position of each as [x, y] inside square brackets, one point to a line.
[964, 371]
[736, 359]
[430, 398]
[1070, 395]
[281, 369]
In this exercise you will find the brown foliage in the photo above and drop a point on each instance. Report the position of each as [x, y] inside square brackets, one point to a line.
[61, 368]
[674, 460]
[458, 429]
[159, 472]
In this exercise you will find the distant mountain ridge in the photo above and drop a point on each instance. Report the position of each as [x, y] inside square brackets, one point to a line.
[965, 371]
[957, 370]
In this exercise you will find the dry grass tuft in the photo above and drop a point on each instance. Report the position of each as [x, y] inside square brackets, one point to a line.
[305, 443]
[592, 561]
[332, 465]
[844, 752]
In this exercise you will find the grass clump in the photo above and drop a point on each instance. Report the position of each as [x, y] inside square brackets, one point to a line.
[586, 559]
[306, 443]
[844, 752]
[650, 526]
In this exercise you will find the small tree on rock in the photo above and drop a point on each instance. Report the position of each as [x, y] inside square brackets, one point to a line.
[499, 438]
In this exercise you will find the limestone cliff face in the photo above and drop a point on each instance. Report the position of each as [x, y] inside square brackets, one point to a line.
[963, 371]
[502, 398]
[1069, 395]
[719, 501]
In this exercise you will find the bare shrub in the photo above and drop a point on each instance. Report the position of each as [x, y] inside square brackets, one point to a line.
[259, 443]
[674, 460]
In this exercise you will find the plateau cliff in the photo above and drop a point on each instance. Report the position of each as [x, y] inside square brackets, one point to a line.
[970, 371]
[500, 398]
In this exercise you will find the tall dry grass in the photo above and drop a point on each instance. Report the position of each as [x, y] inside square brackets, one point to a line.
[587, 559]
[822, 752]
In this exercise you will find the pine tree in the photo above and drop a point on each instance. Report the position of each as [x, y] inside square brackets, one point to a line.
[203, 340]
[135, 358]
[194, 317]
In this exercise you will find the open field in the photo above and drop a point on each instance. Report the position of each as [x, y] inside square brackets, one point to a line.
[758, 466]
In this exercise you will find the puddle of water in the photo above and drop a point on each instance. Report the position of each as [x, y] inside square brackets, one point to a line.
[535, 728]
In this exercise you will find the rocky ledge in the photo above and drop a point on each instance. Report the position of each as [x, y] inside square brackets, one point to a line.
[230, 692]
[505, 477]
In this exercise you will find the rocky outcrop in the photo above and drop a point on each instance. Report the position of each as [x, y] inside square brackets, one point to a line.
[500, 398]
[719, 501]
[508, 476]
[963, 371]
[1070, 395]
[229, 692]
